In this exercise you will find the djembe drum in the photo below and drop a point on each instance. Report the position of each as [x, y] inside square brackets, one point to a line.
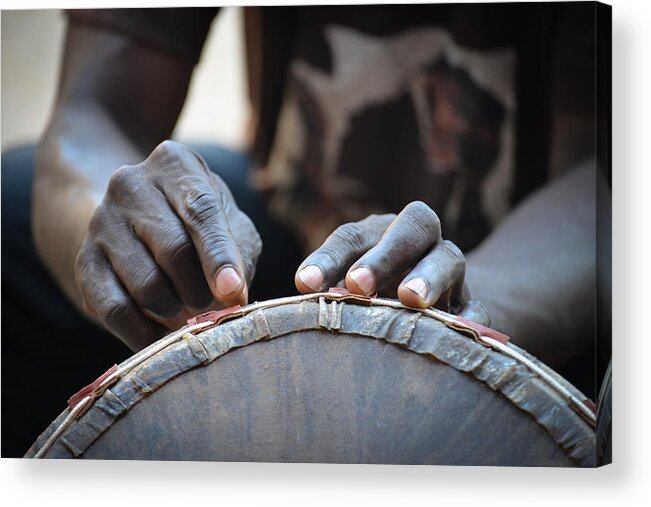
[329, 377]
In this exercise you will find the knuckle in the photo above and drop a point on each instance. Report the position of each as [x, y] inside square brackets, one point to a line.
[175, 245]
[147, 286]
[171, 154]
[164, 156]
[168, 148]
[347, 241]
[423, 216]
[328, 257]
[114, 311]
[125, 180]
[350, 235]
[152, 293]
[199, 205]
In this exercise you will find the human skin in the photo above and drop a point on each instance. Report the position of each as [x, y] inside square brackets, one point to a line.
[402, 256]
[534, 275]
[137, 231]
[114, 204]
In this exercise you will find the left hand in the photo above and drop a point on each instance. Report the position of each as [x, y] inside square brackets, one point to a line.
[401, 255]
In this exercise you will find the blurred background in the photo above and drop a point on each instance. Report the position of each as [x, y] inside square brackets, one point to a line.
[32, 45]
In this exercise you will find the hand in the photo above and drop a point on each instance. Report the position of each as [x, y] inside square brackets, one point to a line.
[403, 255]
[167, 241]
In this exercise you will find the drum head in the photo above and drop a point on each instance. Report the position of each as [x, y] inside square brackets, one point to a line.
[360, 385]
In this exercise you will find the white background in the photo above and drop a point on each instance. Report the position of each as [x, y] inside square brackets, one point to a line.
[627, 482]
[215, 110]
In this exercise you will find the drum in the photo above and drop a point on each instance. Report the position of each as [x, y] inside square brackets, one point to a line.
[330, 378]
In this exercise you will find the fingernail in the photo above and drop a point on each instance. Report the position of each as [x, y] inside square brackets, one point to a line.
[364, 279]
[312, 276]
[228, 281]
[418, 286]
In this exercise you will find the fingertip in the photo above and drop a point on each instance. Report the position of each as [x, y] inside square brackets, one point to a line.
[411, 298]
[361, 281]
[474, 310]
[309, 279]
[227, 281]
[237, 298]
[300, 286]
[230, 287]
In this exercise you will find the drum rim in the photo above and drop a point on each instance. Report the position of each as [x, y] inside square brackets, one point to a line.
[194, 341]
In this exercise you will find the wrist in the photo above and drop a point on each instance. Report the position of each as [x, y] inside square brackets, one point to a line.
[61, 209]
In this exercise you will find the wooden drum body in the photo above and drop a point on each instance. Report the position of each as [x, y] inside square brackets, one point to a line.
[328, 378]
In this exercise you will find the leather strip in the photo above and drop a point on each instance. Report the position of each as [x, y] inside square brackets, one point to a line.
[590, 404]
[216, 316]
[482, 330]
[92, 390]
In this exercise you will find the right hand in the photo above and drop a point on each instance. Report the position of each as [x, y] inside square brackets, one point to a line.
[167, 241]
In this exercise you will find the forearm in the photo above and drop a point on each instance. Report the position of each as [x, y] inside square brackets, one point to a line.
[536, 272]
[81, 149]
[117, 100]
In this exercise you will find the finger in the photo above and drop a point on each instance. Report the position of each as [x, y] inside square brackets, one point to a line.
[161, 230]
[329, 263]
[391, 289]
[475, 311]
[247, 239]
[440, 273]
[138, 272]
[200, 200]
[413, 233]
[135, 193]
[202, 212]
[103, 293]
[249, 243]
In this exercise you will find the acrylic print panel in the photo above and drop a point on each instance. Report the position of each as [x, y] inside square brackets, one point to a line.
[401, 268]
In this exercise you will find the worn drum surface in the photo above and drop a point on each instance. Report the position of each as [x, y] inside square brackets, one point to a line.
[326, 379]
